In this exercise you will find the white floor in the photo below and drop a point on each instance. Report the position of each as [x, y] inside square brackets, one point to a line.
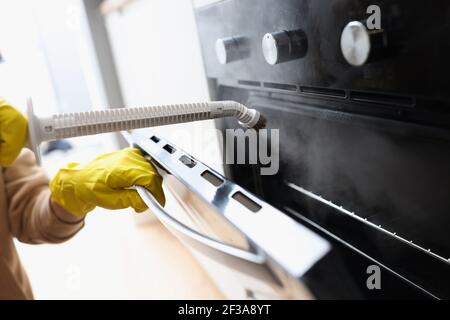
[112, 257]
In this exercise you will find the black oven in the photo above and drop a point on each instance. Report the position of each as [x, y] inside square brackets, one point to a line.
[359, 93]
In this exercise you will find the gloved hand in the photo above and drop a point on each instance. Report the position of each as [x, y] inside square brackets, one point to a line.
[104, 182]
[13, 133]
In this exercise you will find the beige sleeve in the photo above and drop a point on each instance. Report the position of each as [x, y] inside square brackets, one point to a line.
[33, 217]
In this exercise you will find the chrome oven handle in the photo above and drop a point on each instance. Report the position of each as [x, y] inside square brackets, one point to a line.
[253, 256]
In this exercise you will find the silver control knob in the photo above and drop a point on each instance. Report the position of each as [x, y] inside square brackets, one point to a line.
[283, 46]
[360, 46]
[231, 49]
[355, 43]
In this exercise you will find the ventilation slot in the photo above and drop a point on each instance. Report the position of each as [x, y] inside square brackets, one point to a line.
[324, 92]
[381, 98]
[212, 178]
[246, 201]
[280, 86]
[169, 148]
[188, 162]
[249, 83]
[155, 139]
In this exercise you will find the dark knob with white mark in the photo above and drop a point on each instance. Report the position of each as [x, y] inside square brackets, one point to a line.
[284, 46]
[231, 49]
[360, 45]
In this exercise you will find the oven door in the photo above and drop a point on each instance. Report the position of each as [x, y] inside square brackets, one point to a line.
[224, 224]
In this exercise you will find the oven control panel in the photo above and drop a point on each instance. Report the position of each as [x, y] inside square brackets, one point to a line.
[377, 53]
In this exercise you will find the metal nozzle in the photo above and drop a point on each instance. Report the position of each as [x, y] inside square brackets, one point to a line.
[261, 123]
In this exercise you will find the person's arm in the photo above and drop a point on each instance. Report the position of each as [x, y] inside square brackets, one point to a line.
[33, 216]
[39, 212]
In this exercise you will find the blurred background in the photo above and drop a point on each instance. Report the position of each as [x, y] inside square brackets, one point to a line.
[79, 55]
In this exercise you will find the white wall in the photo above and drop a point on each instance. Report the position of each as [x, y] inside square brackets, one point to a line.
[49, 56]
[24, 72]
[158, 58]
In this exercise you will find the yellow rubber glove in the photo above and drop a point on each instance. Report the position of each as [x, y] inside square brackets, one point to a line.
[13, 133]
[104, 182]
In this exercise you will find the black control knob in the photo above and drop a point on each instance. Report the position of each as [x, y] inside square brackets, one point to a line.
[360, 45]
[231, 49]
[284, 46]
